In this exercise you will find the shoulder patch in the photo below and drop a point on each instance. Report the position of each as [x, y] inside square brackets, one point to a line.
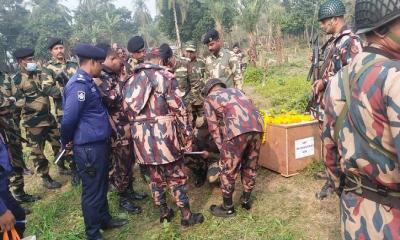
[81, 96]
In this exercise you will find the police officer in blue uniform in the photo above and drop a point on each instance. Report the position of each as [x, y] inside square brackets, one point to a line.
[85, 126]
[10, 210]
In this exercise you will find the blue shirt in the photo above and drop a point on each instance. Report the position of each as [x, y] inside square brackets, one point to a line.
[5, 170]
[85, 117]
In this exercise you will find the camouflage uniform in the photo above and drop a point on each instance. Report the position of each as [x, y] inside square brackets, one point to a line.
[373, 114]
[339, 51]
[122, 156]
[225, 67]
[53, 84]
[202, 140]
[39, 123]
[182, 76]
[7, 109]
[157, 113]
[236, 126]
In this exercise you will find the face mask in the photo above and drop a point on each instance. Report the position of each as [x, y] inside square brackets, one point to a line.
[31, 67]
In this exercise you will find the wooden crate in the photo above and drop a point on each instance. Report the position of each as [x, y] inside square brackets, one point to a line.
[291, 147]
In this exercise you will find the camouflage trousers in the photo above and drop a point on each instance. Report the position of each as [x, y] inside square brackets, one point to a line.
[202, 141]
[239, 154]
[37, 136]
[362, 218]
[172, 175]
[238, 82]
[17, 157]
[123, 161]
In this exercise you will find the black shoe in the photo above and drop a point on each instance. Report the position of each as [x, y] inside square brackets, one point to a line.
[49, 183]
[195, 218]
[136, 196]
[245, 199]
[126, 205]
[326, 190]
[168, 216]
[26, 198]
[114, 223]
[221, 211]
[62, 170]
[224, 210]
[75, 179]
[321, 176]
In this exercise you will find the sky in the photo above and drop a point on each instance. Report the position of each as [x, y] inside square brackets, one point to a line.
[151, 4]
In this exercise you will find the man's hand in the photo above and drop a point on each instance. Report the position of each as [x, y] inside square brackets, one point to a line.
[7, 221]
[205, 154]
[318, 86]
[68, 146]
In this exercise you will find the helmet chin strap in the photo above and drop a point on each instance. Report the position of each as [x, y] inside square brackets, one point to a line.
[395, 38]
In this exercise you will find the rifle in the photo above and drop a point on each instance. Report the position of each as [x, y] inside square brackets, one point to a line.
[62, 77]
[314, 72]
[8, 130]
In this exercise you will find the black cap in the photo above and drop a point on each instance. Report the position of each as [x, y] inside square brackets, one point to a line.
[135, 44]
[23, 53]
[211, 36]
[236, 45]
[105, 46]
[165, 51]
[89, 51]
[54, 41]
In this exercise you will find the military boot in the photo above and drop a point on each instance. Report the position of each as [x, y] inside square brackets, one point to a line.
[224, 210]
[62, 169]
[189, 218]
[245, 199]
[126, 204]
[49, 183]
[166, 213]
[326, 190]
[133, 195]
[22, 197]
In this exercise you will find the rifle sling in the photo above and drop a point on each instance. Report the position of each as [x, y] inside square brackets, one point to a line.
[347, 87]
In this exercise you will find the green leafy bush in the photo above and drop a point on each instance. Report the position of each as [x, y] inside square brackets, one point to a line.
[253, 75]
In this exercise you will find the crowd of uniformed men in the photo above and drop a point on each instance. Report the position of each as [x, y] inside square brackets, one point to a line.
[114, 109]
[166, 112]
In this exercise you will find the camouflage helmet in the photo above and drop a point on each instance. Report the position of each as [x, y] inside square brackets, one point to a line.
[210, 84]
[372, 14]
[331, 8]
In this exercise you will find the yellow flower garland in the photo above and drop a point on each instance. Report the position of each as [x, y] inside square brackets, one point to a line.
[283, 118]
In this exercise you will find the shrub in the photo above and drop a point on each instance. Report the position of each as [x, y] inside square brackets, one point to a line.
[253, 75]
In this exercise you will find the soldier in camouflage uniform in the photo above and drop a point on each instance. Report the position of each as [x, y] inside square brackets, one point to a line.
[56, 74]
[338, 51]
[202, 140]
[362, 128]
[179, 67]
[222, 63]
[7, 108]
[161, 133]
[110, 85]
[40, 124]
[137, 51]
[238, 54]
[236, 126]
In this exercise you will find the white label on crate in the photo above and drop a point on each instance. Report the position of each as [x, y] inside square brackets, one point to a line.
[304, 147]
